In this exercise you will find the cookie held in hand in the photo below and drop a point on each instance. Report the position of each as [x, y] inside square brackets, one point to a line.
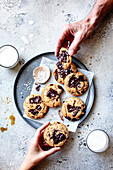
[51, 95]
[73, 109]
[64, 57]
[76, 83]
[60, 73]
[56, 134]
[34, 107]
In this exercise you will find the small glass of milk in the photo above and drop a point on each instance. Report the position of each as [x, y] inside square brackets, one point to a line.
[97, 141]
[9, 56]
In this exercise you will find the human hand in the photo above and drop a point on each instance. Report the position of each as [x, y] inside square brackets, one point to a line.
[73, 34]
[35, 153]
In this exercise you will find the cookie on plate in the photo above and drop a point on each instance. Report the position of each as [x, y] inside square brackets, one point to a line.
[76, 83]
[34, 107]
[73, 109]
[56, 134]
[64, 57]
[51, 95]
[60, 73]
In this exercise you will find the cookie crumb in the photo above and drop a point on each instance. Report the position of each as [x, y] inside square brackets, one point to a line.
[61, 117]
[84, 144]
[38, 87]
[72, 139]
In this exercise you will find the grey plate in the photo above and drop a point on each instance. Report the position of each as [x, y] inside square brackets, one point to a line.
[25, 75]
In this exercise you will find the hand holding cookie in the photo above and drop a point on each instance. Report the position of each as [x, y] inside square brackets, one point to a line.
[35, 154]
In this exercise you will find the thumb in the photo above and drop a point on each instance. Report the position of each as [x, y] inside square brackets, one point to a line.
[74, 46]
[52, 151]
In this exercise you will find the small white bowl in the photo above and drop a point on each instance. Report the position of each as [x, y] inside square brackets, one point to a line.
[41, 74]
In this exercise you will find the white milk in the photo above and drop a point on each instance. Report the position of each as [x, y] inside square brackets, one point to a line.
[8, 56]
[98, 141]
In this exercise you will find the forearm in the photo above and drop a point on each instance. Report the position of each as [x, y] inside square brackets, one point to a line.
[100, 9]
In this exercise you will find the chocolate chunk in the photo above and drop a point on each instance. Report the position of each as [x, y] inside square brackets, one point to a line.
[58, 138]
[52, 93]
[35, 100]
[62, 73]
[81, 78]
[56, 74]
[54, 133]
[31, 100]
[57, 99]
[78, 92]
[38, 107]
[68, 118]
[81, 116]
[70, 108]
[51, 84]
[84, 110]
[63, 56]
[74, 119]
[38, 87]
[60, 87]
[34, 112]
[74, 81]
[59, 65]
[74, 109]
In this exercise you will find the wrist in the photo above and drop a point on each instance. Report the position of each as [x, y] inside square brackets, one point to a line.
[26, 165]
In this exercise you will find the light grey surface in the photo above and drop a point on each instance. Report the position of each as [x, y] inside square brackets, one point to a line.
[49, 17]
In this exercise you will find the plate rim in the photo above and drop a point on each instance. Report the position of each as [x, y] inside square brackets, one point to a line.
[16, 80]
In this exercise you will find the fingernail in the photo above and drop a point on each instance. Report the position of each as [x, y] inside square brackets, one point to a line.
[70, 52]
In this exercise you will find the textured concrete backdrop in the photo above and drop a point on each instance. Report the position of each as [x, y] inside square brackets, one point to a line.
[40, 22]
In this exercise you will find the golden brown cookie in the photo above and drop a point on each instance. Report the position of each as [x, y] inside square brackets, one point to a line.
[64, 57]
[51, 95]
[60, 73]
[56, 134]
[76, 83]
[73, 109]
[34, 107]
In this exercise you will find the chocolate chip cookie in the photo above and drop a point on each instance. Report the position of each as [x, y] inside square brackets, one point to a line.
[51, 95]
[56, 134]
[60, 73]
[34, 107]
[64, 57]
[73, 109]
[76, 83]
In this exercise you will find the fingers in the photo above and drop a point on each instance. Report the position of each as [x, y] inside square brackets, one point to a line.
[43, 126]
[65, 32]
[39, 130]
[74, 46]
[52, 151]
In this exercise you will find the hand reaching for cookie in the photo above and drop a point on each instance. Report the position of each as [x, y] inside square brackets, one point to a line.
[73, 34]
[35, 154]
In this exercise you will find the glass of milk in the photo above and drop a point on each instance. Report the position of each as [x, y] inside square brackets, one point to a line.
[97, 141]
[9, 56]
